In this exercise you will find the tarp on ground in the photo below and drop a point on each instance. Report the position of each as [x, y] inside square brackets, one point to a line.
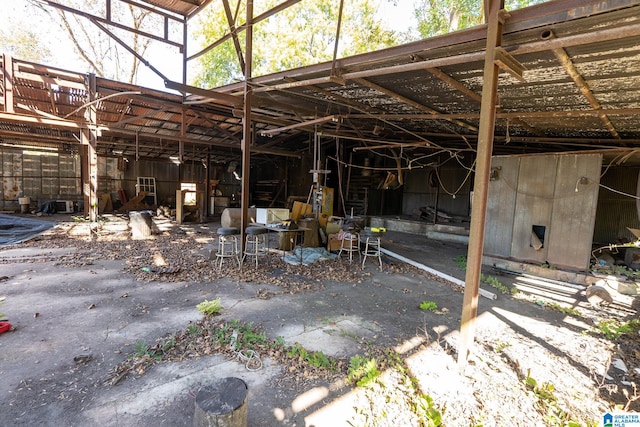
[309, 256]
[16, 229]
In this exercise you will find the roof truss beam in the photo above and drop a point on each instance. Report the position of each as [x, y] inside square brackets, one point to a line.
[109, 21]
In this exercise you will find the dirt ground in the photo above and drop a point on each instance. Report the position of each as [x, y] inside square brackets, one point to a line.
[106, 332]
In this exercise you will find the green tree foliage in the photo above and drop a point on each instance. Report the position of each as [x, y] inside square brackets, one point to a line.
[22, 43]
[300, 35]
[437, 17]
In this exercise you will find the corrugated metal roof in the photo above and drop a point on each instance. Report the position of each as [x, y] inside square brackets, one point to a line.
[423, 92]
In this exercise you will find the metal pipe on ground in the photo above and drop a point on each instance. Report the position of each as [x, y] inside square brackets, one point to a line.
[455, 281]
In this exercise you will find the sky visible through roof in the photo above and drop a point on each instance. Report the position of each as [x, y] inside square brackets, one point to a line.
[398, 17]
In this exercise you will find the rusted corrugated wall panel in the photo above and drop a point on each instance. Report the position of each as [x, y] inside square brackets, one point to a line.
[40, 174]
[501, 206]
[11, 185]
[616, 211]
[574, 210]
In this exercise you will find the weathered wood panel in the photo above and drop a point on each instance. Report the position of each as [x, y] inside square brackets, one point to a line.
[574, 211]
[501, 206]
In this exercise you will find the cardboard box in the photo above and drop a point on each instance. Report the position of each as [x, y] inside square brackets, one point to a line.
[333, 243]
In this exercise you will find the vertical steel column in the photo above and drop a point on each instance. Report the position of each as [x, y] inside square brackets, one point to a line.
[185, 36]
[247, 136]
[89, 138]
[481, 184]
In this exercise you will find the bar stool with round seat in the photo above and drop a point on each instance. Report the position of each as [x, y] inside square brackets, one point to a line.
[350, 242]
[255, 243]
[371, 246]
[227, 245]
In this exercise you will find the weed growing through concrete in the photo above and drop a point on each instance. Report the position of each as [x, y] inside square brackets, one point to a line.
[208, 336]
[317, 359]
[428, 306]
[555, 414]
[563, 309]
[210, 308]
[496, 284]
[500, 346]
[144, 350]
[405, 392]
[461, 262]
[362, 370]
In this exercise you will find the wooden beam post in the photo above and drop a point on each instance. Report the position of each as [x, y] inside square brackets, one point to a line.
[481, 184]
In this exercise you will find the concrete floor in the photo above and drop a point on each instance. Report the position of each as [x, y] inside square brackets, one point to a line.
[64, 311]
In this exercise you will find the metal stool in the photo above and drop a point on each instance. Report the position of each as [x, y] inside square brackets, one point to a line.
[255, 243]
[372, 246]
[227, 245]
[350, 243]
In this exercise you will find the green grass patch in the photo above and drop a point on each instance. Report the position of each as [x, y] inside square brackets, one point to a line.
[428, 306]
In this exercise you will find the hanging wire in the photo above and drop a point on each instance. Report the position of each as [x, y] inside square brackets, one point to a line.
[350, 106]
[466, 178]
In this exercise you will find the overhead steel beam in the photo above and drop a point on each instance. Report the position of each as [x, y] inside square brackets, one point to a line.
[110, 22]
[220, 97]
[128, 48]
[507, 115]
[620, 32]
[234, 35]
[411, 102]
[333, 118]
[20, 118]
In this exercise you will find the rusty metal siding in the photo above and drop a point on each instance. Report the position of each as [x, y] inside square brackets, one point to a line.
[501, 205]
[615, 211]
[39, 174]
[11, 168]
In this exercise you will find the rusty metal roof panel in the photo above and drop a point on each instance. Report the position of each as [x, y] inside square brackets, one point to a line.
[427, 89]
